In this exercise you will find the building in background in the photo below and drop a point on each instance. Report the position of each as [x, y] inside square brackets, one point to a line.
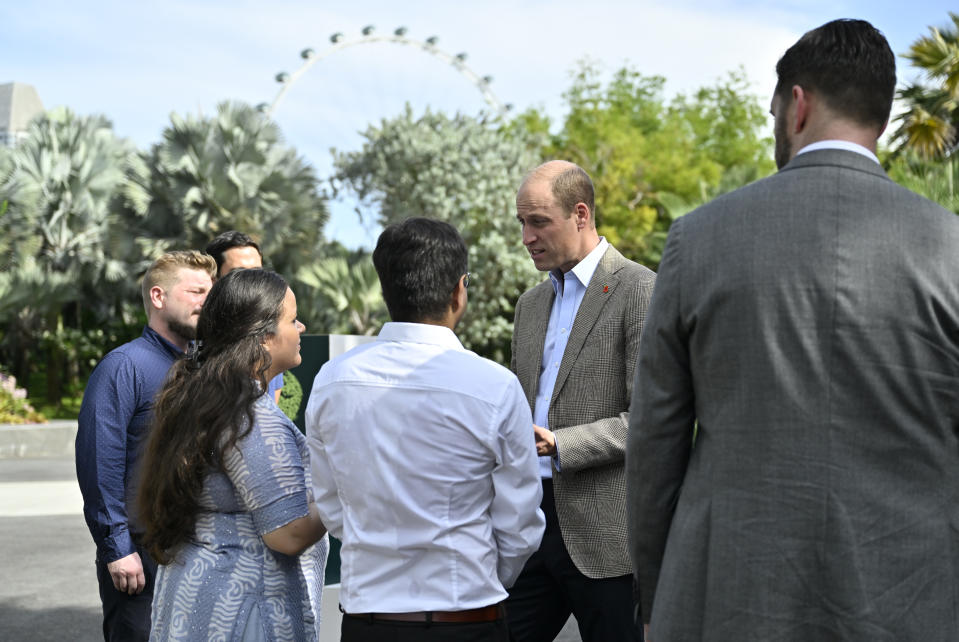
[19, 104]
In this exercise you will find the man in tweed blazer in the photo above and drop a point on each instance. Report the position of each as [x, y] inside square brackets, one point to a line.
[575, 345]
[810, 324]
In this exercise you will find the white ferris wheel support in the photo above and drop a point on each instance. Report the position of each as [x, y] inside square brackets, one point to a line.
[457, 61]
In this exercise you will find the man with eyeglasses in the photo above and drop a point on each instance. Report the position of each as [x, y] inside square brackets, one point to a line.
[233, 250]
[422, 457]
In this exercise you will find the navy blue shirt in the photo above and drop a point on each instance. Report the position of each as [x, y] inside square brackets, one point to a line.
[276, 383]
[114, 417]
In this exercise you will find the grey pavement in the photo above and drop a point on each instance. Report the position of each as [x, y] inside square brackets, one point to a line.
[48, 587]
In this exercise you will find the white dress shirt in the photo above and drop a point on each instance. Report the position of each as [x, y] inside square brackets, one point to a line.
[424, 465]
[570, 287]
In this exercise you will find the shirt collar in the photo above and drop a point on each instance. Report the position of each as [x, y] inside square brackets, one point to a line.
[849, 146]
[582, 271]
[155, 337]
[437, 335]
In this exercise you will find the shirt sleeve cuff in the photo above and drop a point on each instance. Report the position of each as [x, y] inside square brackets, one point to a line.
[116, 546]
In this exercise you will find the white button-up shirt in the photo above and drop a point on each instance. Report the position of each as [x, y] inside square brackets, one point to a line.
[569, 287]
[424, 464]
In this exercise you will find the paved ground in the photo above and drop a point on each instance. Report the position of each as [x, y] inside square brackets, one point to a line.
[48, 588]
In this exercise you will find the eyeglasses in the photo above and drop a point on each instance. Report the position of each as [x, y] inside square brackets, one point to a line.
[466, 281]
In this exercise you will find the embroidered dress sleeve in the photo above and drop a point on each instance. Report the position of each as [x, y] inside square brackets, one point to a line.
[268, 472]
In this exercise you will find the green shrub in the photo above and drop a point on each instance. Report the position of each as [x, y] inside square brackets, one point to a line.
[291, 396]
[14, 408]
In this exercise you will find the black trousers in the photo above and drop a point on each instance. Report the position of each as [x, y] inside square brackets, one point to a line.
[126, 618]
[551, 587]
[361, 630]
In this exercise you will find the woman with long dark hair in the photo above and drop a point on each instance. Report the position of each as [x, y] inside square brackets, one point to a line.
[225, 492]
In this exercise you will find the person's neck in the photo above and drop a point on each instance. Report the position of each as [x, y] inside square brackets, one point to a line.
[449, 319]
[446, 322]
[271, 374]
[839, 130]
[589, 244]
[164, 331]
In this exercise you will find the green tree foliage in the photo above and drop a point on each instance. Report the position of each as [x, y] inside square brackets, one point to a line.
[59, 241]
[465, 171]
[341, 295]
[930, 125]
[651, 160]
[936, 180]
[291, 395]
[82, 214]
[230, 171]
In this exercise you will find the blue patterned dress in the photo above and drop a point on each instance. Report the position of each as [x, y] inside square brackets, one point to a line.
[227, 580]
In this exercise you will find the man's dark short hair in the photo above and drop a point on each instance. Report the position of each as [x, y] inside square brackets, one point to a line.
[419, 262]
[848, 64]
[227, 241]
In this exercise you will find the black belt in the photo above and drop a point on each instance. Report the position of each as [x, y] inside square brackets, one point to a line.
[485, 614]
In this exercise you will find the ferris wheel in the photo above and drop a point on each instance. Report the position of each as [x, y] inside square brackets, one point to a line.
[399, 36]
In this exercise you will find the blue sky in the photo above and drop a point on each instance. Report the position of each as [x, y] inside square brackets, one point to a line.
[136, 62]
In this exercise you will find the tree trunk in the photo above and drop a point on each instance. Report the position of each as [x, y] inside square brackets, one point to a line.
[55, 360]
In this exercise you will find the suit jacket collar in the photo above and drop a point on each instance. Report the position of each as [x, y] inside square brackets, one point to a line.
[838, 143]
[540, 305]
[835, 158]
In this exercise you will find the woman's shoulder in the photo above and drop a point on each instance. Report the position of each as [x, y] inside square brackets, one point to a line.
[269, 419]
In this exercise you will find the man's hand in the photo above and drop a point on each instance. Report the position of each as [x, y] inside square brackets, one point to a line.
[127, 574]
[545, 441]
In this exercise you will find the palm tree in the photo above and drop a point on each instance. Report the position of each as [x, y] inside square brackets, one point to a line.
[344, 296]
[231, 171]
[930, 126]
[937, 181]
[58, 237]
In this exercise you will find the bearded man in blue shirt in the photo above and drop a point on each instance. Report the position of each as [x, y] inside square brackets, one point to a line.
[113, 425]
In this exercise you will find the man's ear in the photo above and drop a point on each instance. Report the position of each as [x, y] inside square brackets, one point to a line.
[801, 105]
[583, 216]
[456, 296]
[883, 128]
[157, 296]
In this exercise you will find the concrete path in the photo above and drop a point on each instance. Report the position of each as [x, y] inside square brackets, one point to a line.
[48, 589]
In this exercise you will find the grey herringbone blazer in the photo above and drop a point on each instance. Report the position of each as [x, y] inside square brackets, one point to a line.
[589, 410]
[810, 323]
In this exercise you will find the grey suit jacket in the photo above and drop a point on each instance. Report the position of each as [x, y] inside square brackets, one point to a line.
[589, 409]
[810, 324]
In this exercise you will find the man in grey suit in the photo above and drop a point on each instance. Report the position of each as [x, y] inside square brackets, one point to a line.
[793, 453]
[575, 345]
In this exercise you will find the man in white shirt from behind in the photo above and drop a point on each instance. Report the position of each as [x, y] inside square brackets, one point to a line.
[423, 460]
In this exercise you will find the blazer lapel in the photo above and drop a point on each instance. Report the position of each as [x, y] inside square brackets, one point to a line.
[540, 306]
[599, 291]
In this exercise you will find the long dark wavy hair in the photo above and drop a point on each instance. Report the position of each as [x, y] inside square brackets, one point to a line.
[206, 404]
